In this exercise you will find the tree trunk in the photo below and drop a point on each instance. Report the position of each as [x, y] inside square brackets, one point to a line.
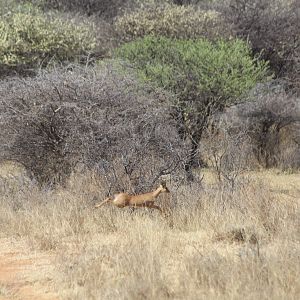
[190, 161]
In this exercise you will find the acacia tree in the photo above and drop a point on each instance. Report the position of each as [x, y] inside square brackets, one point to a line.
[205, 76]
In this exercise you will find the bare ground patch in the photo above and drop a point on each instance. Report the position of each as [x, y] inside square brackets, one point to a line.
[25, 274]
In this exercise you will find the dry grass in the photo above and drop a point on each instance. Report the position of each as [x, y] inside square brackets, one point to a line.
[216, 243]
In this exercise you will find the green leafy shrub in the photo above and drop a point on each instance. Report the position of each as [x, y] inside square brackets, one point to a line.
[206, 76]
[171, 21]
[29, 37]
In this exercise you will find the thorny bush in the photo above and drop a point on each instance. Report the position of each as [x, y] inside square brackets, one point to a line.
[99, 118]
[273, 29]
[271, 120]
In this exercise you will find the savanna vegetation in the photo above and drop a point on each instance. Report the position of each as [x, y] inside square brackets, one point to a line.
[98, 97]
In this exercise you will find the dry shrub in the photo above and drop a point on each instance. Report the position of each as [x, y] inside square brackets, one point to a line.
[227, 151]
[97, 118]
[263, 131]
[271, 122]
[288, 156]
[187, 22]
[105, 9]
[187, 2]
[272, 27]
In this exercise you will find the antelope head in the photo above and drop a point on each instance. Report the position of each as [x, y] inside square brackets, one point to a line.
[163, 187]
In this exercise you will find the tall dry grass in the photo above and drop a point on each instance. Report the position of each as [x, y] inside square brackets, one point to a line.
[216, 243]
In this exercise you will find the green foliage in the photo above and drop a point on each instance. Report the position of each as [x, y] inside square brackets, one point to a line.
[30, 37]
[171, 21]
[222, 70]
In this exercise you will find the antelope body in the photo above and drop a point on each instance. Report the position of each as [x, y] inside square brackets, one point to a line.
[143, 200]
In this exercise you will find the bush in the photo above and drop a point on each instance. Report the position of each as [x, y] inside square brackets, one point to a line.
[187, 2]
[30, 38]
[273, 29]
[272, 121]
[207, 77]
[227, 151]
[105, 9]
[171, 21]
[269, 122]
[95, 118]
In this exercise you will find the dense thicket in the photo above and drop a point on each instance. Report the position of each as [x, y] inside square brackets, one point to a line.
[96, 117]
[102, 8]
[272, 122]
[273, 29]
[264, 132]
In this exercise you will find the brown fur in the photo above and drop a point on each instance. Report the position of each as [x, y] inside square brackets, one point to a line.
[143, 200]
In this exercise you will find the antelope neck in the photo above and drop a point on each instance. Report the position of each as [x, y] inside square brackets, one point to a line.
[156, 193]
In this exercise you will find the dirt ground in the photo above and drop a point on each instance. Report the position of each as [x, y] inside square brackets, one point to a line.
[24, 274]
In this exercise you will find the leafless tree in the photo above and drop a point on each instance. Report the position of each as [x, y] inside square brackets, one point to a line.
[226, 148]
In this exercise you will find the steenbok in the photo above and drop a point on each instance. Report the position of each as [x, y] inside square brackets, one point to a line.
[143, 200]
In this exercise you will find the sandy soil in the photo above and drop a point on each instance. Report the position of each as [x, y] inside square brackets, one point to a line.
[24, 274]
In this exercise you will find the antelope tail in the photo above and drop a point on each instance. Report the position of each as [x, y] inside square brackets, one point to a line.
[103, 202]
